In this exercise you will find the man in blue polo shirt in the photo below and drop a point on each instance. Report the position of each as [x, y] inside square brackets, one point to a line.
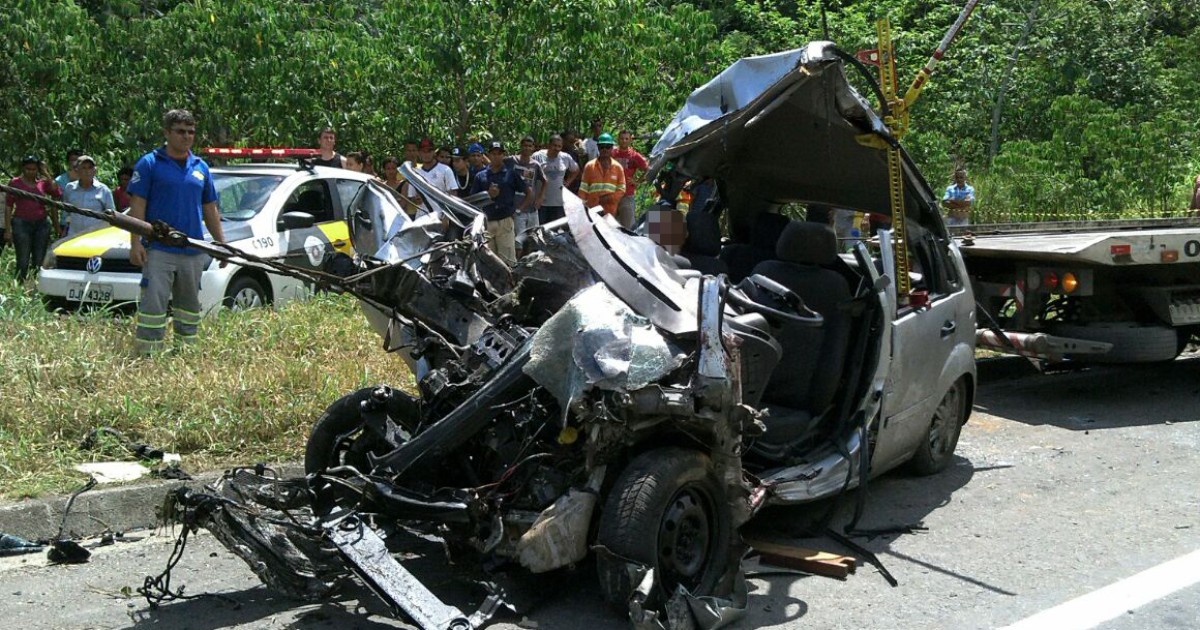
[172, 185]
[502, 183]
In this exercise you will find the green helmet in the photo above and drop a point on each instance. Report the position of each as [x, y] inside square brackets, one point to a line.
[605, 138]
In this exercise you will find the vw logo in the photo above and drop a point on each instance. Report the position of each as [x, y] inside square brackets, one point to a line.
[94, 263]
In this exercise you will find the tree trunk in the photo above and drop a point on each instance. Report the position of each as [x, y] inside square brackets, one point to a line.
[1006, 80]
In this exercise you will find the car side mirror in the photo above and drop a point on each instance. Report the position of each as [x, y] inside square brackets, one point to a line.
[295, 220]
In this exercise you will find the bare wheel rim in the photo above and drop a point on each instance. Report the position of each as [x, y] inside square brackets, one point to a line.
[247, 297]
[941, 430]
[686, 537]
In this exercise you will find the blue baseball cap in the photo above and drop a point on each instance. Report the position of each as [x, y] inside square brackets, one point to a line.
[475, 147]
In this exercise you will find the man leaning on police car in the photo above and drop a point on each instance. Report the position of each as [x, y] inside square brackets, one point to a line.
[173, 185]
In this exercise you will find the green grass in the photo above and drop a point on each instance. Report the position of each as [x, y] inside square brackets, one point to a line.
[249, 391]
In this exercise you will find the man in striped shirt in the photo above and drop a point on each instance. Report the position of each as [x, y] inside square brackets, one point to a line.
[603, 178]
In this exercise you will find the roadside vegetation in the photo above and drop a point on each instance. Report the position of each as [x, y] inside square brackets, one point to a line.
[1061, 109]
[248, 392]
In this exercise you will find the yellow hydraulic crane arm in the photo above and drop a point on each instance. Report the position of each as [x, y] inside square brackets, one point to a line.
[897, 121]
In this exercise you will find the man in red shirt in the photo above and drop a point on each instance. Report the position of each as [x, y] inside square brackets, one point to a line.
[121, 192]
[25, 222]
[632, 162]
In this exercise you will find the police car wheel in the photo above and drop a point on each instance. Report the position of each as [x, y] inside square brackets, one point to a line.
[245, 292]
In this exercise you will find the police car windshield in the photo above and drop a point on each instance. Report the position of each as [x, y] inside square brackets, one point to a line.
[240, 196]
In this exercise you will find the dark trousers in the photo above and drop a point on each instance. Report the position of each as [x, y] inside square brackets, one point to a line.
[547, 214]
[30, 239]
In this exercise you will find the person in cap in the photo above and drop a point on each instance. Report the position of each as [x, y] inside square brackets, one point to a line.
[62, 179]
[476, 157]
[88, 193]
[463, 174]
[25, 221]
[502, 183]
[173, 185]
[603, 178]
[958, 199]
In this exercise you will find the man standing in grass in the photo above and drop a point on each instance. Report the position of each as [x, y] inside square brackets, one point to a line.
[173, 185]
[958, 199]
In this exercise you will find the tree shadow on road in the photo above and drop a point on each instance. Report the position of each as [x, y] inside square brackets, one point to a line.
[1085, 400]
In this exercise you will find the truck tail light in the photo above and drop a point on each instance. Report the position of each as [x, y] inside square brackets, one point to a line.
[1050, 281]
[1069, 282]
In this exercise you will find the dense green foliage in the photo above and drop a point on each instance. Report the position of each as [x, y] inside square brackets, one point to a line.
[1061, 108]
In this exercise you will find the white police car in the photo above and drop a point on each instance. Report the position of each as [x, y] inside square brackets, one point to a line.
[290, 212]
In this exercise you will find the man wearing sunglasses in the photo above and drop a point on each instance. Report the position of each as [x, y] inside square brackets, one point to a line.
[173, 185]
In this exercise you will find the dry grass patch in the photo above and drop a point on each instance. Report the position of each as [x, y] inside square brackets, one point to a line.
[248, 392]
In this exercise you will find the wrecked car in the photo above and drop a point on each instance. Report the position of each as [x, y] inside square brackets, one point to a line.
[601, 397]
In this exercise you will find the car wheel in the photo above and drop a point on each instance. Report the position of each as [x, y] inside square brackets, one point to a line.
[245, 292]
[667, 510]
[337, 437]
[937, 449]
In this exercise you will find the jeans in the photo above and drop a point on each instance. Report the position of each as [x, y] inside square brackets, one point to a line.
[30, 239]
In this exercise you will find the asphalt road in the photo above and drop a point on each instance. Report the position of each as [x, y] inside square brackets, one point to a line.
[1065, 484]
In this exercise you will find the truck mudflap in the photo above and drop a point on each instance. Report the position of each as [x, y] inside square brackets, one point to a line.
[1037, 345]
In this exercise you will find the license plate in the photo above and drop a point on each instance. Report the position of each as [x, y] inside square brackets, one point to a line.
[86, 292]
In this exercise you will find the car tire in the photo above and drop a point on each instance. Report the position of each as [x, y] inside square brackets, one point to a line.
[1132, 343]
[337, 437]
[245, 292]
[936, 450]
[667, 510]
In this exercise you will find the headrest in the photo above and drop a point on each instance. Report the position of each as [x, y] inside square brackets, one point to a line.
[767, 228]
[703, 233]
[807, 243]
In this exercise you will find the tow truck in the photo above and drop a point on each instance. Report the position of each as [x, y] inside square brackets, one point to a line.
[1125, 291]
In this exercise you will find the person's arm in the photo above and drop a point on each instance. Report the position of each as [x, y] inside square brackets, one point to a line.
[572, 172]
[137, 210]
[541, 191]
[9, 200]
[212, 220]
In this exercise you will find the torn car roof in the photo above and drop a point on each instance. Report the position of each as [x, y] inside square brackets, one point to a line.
[784, 128]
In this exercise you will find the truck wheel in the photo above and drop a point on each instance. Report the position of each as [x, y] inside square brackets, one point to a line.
[667, 510]
[1132, 343]
[936, 451]
[245, 292]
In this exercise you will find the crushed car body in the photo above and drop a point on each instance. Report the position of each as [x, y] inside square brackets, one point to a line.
[603, 397]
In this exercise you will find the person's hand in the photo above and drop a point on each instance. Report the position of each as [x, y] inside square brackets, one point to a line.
[137, 254]
[8, 237]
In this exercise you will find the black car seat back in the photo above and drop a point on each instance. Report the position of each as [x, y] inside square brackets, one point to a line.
[741, 258]
[810, 369]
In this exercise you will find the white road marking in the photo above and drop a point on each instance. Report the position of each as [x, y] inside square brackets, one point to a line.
[1114, 600]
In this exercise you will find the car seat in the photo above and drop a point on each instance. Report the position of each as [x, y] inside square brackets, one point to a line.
[741, 258]
[813, 359]
[703, 245]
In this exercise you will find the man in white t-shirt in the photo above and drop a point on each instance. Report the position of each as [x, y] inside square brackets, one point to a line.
[438, 174]
[560, 170]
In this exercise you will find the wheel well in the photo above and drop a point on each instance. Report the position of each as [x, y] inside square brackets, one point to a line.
[969, 381]
[258, 276]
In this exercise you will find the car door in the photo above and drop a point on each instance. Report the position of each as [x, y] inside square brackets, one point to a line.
[308, 245]
[929, 342]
